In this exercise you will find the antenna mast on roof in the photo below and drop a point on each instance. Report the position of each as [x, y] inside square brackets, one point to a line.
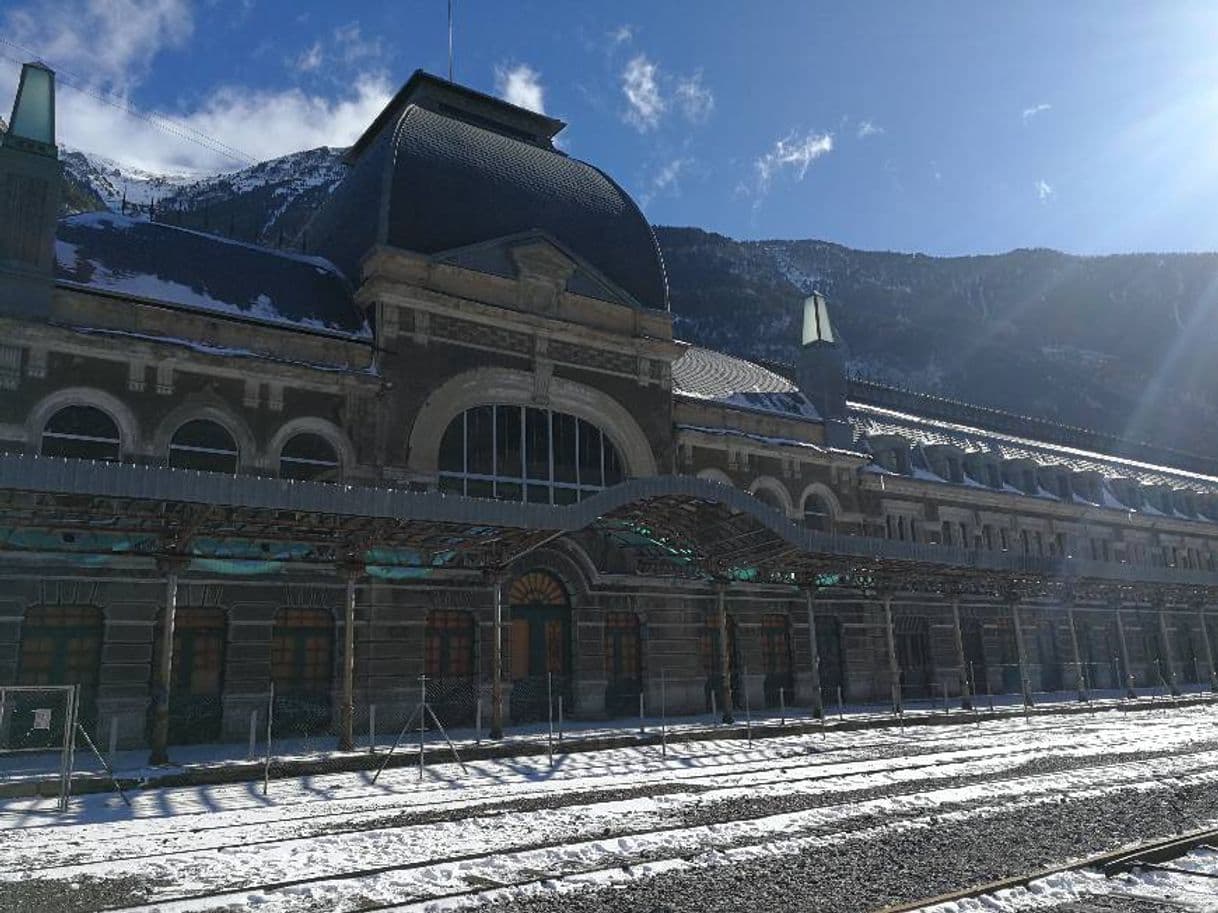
[450, 40]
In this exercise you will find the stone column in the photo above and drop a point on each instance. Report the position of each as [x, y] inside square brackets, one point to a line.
[346, 739]
[1124, 645]
[724, 655]
[164, 669]
[818, 699]
[1080, 682]
[966, 695]
[1021, 651]
[1167, 659]
[894, 666]
[1209, 649]
[497, 664]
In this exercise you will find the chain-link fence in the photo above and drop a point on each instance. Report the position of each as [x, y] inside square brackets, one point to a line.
[37, 728]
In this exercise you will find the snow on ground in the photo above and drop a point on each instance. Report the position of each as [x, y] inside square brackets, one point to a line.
[517, 826]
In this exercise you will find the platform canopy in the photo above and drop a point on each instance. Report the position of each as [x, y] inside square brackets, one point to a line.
[85, 514]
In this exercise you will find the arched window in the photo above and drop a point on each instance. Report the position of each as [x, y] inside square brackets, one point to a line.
[768, 497]
[83, 432]
[309, 457]
[818, 515]
[205, 445]
[522, 453]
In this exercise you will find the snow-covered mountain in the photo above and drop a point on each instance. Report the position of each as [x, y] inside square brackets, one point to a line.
[1121, 344]
[266, 203]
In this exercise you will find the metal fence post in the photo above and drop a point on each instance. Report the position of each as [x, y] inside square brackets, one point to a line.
[550, 715]
[560, 718]
[270, 712]
[663, 717]
[748, 716]
[372, 729]
[253, 734]
[714, 709]
[642, 725]
[782, 706]
[841, 706]
[478, 717]
[422, 723]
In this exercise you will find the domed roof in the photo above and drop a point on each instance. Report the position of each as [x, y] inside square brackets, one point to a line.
[444, 167]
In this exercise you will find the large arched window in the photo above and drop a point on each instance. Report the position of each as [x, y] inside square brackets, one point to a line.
[203, 444]
[768, 497]
[83, 432]
[522, 453]
[310, 457]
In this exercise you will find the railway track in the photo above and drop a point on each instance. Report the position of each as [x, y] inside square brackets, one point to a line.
[1150, 854]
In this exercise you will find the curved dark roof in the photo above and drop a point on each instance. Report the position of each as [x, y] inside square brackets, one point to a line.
[107, 252]
[438, 177]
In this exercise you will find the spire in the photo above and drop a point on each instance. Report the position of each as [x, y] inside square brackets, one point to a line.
[817, 327]
[30, 188]
[32, 126]
[822, 370]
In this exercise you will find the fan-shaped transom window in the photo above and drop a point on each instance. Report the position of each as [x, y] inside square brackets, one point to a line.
[522, 453]
[768, 497]
[205, 445]
[310, 457]
[83, 432]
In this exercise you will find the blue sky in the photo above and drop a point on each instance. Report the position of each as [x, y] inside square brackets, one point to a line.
[947, 128]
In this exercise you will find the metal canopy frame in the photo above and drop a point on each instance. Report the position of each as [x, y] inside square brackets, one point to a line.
[68, 510]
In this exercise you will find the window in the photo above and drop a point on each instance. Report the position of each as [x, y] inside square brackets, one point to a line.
[310, 457]
[1002, 538]
[987, 536]
[767, 497]
[301, 651]
[992, 474]
[204, 445]
[947, 532]
[450, 644]
[81, 432]
[522, 453]
[817, 514]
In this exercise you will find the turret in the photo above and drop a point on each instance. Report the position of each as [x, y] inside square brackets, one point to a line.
[822, 370]
[29, 196]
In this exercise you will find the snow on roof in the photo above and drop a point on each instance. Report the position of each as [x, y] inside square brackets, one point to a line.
[708, 375]
[874, 421]
[104, 251]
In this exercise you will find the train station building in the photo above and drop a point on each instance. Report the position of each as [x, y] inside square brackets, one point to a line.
[452, 434]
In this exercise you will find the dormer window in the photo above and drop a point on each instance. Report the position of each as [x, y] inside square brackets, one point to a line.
[1063, 488]
[993, 476]
[1029, 482]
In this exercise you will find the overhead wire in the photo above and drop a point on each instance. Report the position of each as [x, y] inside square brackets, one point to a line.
[181, 131]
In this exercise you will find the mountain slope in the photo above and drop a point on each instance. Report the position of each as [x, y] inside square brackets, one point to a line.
[1122, 344]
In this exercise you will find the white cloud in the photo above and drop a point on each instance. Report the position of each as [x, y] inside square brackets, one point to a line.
[112, 41]
[794, 153]
[623, 34]
[353, 48]
[310, 59]
[666, 179]
[1044, 191]
[1029, 113]
[868, 128]
[115, 43]
[521, 85]
[640, 84]
[695, 100]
